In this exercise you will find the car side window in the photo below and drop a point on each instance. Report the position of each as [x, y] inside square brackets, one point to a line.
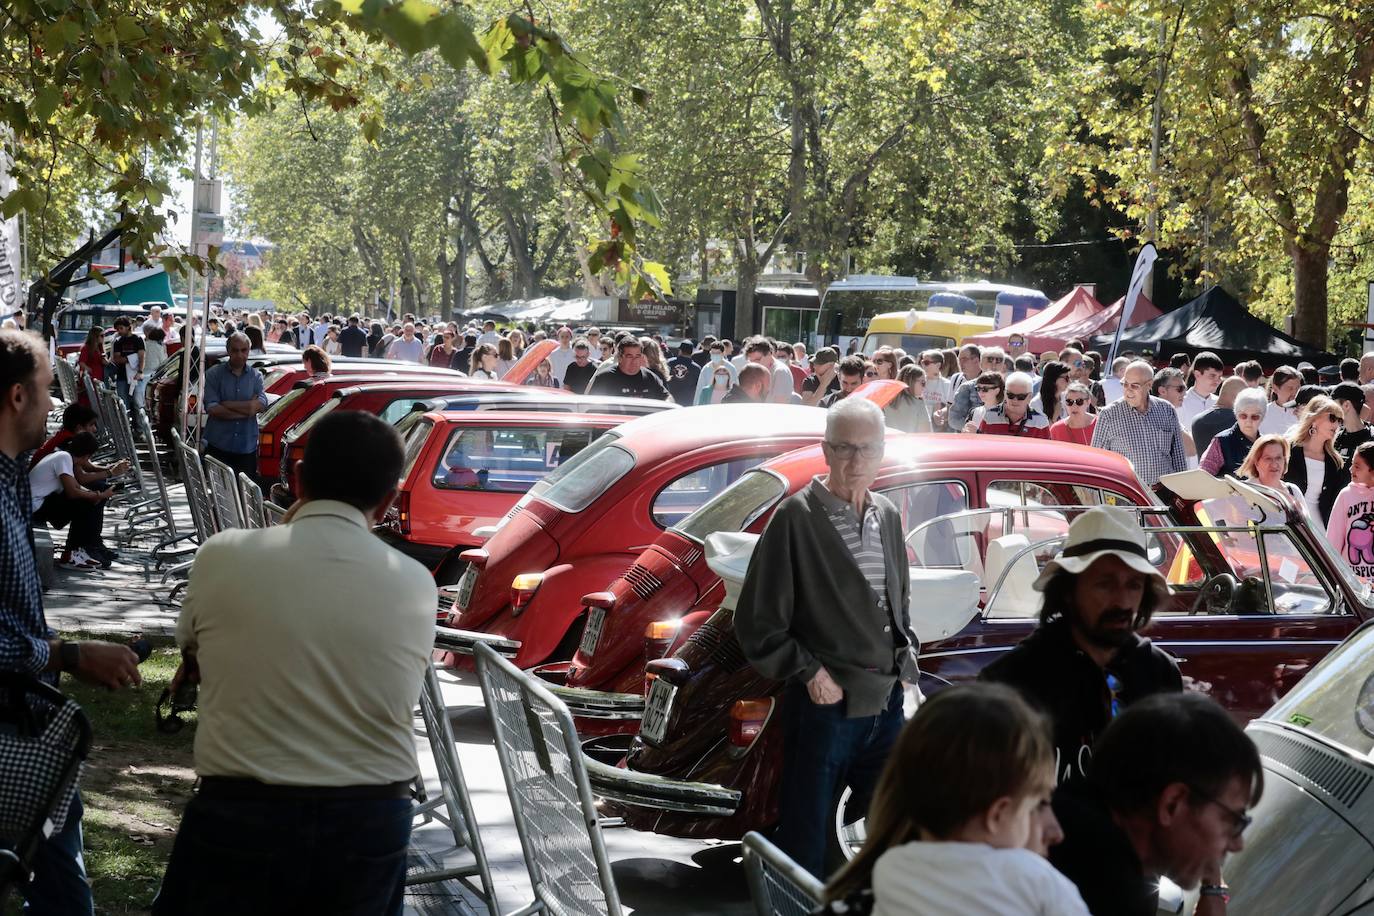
[506, 460]
[396, 410]
[945, 543]
[689, 492]
[1297, 589]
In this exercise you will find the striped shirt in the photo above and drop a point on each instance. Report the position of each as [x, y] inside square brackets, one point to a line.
[864, 539]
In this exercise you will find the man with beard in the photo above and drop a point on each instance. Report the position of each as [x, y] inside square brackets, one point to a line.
[1086, 661]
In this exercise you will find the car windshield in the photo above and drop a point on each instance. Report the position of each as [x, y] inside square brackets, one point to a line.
[281, 404]
[414, 440]
[577, 483]
[506, 459]
[735, 508]
[306, 425]
[1336, 699]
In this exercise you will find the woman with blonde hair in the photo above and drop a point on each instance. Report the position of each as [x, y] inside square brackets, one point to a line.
[653, 357]
[1314, 465]
[505, 356]
[517, 342]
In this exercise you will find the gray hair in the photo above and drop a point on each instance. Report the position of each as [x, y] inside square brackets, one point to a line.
[1140, 364]
[237, 335]
[858, 409]
[1020, 378]
[1252, 399]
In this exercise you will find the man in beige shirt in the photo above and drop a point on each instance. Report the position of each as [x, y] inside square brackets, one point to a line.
[304, 740]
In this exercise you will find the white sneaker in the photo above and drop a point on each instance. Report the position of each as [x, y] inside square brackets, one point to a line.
[79, 559]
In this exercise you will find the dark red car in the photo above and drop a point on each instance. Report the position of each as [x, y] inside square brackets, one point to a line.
[1255, 607]
[583, 525]
[162, 397]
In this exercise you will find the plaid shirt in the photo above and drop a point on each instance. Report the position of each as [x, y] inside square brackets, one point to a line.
[1152, 441]
[24, 632]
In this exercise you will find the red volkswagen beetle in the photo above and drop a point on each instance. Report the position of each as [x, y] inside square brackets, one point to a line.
[584, 524]
[927, 476]
[1259, 599]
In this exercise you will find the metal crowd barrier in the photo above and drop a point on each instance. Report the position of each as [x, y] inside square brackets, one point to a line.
[224, 493]
[779, 886]
[202, 515]
[152, 515]
[66, 380]
[251, 503]
[453, 806]
[555, 813]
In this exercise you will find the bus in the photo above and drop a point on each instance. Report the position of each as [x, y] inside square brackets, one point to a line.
[850, 304]
[74, 320]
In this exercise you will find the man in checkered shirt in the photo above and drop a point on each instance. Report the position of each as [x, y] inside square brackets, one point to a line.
[26, 642]
[1145, 429]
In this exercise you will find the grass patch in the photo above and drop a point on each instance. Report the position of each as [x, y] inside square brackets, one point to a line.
[135, 785]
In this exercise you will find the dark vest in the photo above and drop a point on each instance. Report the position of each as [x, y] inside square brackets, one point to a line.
[1234, 448]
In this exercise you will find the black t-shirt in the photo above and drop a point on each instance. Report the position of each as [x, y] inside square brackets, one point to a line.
[1054, 674]
[682, 379]
[643, 384]
[1349, 440]
[1097, 856]
[123, 346]
[461, 359]
[813, 381]
[352, 341]
[576, 378]
[701, 357]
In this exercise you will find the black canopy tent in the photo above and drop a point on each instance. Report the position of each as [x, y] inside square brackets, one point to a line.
[1215, 321]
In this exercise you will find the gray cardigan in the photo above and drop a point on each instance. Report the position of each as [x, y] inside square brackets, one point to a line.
[804, 604]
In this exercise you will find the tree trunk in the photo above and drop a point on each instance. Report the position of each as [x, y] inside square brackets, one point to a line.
[441, 262]
[747, 320]
[1311, 264]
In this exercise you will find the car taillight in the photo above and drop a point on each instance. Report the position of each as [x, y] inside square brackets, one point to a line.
[658, 636]
[267, 443]
[402, 510]
[522, 589]
[747, 719]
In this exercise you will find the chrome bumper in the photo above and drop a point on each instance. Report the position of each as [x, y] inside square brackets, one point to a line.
[601, 704]
[463, 641]
[645, 790]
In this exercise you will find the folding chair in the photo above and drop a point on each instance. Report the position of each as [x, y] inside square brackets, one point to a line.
[779, 886]
[453, 806]
[251, 503]
[555, 813]
[154, 516]
[224, 493]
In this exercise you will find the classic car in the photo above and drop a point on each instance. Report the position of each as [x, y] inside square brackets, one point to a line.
[309, 394]
[282, 379]
[670, 589]
[465, 470]
[1310, 848]
[584, 524]
[1259, 599]
[162, 397]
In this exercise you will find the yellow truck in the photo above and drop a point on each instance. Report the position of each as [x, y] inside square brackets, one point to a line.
[915, 331]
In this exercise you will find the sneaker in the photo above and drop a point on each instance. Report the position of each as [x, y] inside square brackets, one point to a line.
[78, 559]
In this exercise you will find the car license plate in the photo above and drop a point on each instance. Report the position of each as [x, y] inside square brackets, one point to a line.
[592, 634]
[465, 587]
[657, 711]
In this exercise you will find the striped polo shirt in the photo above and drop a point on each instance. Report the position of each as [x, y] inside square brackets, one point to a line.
[864, 538]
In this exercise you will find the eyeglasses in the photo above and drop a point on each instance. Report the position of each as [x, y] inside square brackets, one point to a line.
[932, 362]
[1075, 402]
[1017, 396]
[995, 359]
[1250, 416]
[984, 389]
[1239, 819]
[1134, 386]
[1078, 364]
[847, 450]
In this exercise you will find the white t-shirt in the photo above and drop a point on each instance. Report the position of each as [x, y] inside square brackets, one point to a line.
[1192, 407]
[46, 477]
[1277, 420]
[1111, 389]
[1316, 476]
[559, 361]
[970, 879]
[939, 392]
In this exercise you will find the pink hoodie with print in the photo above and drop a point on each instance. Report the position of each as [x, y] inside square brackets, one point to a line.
[1351, 528]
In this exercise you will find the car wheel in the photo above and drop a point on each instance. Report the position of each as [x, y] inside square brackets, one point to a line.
[843, 840]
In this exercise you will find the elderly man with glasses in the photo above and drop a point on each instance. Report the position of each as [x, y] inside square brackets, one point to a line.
[824, 608]
[1015, 416]
[1143, 429]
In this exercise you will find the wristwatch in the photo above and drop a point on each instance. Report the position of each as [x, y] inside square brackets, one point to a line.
[1216, 890]
[70, 655]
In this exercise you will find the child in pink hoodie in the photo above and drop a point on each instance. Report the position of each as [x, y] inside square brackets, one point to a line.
[1351, 528]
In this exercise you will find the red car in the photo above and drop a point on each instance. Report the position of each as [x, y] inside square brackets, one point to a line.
[162, 397]
[465, 471]
[1259, 599]
[585, 524]
[281, 379]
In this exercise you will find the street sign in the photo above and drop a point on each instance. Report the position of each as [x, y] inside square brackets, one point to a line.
[208, 229]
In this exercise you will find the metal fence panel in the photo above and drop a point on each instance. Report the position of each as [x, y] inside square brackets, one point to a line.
[66, 380]
[555, 813]
[224, 493]
[251, 502]
[779, 886]
[192, 473]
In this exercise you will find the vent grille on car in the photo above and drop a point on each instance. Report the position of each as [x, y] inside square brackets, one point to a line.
[718, 646]
[691, 556]
[1340, 779]
[642, 581]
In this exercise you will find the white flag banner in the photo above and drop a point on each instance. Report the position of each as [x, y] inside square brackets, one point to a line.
[1144, 264]
[10, 299]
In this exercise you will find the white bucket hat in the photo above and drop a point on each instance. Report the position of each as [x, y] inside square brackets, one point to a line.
[1101, 532]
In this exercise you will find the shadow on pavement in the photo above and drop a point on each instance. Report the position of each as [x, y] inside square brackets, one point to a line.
[714, 883]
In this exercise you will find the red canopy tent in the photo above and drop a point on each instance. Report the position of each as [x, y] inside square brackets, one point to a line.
[1075, 307]
[1104, 322]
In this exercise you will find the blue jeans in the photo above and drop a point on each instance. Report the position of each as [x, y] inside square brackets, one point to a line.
[823, 753]
[59, 873]
[236, 857]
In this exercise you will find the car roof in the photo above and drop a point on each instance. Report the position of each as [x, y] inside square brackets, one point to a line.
[524, 418]
[356, 383]
[583, 402]
[945, 450]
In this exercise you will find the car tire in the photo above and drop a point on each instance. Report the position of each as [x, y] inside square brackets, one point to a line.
[842, 841]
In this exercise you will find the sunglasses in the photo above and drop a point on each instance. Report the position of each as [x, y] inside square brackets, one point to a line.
[1075, 402]
[932, 362]
[1013, 396]
[984, 389]
[1250, 416]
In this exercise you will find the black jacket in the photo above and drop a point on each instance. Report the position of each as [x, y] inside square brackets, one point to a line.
[1057, 676]
[1332, 483]
[1098, 857]
[1235, 447]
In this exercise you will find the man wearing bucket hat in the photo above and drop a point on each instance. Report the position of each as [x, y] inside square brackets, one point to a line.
[1087, 660]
